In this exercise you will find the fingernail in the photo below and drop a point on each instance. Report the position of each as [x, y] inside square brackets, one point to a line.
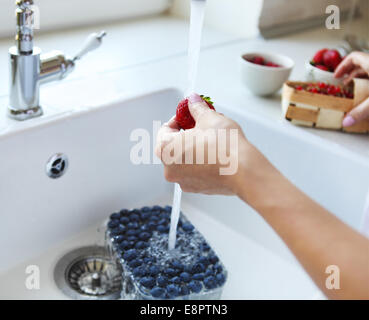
[194, 98]
[348, 121]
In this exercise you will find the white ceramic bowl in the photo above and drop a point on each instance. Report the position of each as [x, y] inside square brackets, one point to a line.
[262, 80]
[314, 74]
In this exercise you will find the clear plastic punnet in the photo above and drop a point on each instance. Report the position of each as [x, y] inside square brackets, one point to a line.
[138, 240]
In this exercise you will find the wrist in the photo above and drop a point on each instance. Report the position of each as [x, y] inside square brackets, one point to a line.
[254, 175]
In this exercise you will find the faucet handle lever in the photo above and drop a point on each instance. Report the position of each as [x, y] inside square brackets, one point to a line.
[92, 42]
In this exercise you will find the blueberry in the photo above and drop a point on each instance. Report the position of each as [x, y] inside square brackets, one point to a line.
[118, 238]
[115, 232]
[163, 229]
[115, 216]
[124, 245]
[185, 277]
[141, 245]
[156, 208]
[151, 225]
[213, 259]
[184, 290]
[176, 280]
[148, 282]
[205, 247]
[188, 227]
[145, 209]
[123, 212]
[144, 228]
[210, 282]
[149, 260]
[134, 217]
[177, 265]
[130, 254]
[135, 263]
[157, 292]
[139, 271]
[173, 290]
[220, 278]
[132, 225]
[154, 219]
[154, 270]
[188, 269]
[162, 221]
[132, 239]
[218, 268]
[145, 215]
[121, 228]
[170, 272]
[208, 272]
[204, 260]
[162, 281]
[134, 211]
[144, 236]
[198, 276]
[132, 232]
[195, 286]
[124, 220]
[198, 268]
[168, 209]
[113, 224]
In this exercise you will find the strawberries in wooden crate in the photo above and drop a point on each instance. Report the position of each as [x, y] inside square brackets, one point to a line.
[322, 105]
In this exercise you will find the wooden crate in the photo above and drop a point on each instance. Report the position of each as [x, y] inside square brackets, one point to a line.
[322, 111]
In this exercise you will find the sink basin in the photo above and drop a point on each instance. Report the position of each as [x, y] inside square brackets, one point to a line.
[61, 179]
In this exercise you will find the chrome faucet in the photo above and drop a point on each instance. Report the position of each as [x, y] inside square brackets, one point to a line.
[29, 68]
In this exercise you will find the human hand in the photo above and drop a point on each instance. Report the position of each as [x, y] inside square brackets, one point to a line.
[204, 159]
[355, 65]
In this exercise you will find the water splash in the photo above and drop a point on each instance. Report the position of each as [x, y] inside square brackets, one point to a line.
[196, 26]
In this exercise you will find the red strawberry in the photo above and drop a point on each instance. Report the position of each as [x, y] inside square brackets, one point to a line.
[321, 67]
[183, 116]
[332, 59]
[272, 64]
[258, 60]
[322, 85]
[318, 57]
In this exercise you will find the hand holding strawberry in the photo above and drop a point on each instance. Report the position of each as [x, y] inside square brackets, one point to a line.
[184, 118]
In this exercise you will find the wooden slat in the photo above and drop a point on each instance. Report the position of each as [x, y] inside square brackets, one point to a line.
[302, 114]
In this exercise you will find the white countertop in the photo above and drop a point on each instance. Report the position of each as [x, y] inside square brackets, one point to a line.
[143, 55]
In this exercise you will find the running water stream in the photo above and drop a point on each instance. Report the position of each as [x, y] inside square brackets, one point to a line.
[196, 26]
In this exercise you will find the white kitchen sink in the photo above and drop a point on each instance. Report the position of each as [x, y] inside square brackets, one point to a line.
[43, 218]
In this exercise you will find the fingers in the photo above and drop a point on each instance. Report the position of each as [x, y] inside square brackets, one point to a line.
[346, 66]
[352, 61]
[356, 73]
[197, 106]
[358, 114]
[165, 135]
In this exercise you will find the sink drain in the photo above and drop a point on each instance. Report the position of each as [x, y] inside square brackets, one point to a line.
[89, 273]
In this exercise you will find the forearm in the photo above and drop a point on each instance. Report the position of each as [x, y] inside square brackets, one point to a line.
[316, 237]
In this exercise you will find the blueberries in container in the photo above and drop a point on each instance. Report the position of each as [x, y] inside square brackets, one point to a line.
[195, 286]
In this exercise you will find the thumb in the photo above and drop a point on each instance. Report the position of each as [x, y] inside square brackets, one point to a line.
[197, 106]
[357, 114]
